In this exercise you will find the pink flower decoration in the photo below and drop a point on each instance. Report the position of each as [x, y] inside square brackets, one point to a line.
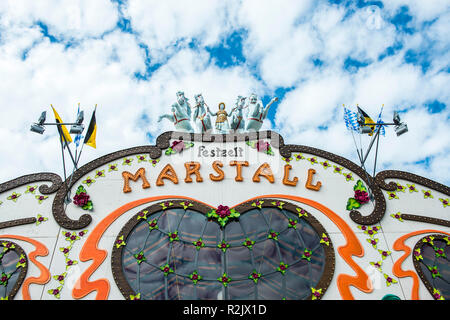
[223, 211]
[178, 146]
[81, 199]
[361, 196]
[262, 146]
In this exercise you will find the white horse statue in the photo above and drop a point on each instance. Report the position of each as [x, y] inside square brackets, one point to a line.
[237, 115]
[256, 112]
[181, 114]
[200, 117]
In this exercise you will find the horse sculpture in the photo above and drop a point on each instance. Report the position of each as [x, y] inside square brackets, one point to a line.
[200, 117]
[181, 114]
[237, 115]
[256, 113]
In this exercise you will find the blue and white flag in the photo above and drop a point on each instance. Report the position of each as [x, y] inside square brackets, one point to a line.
[78, 137]
[351, 120]
[382, 130]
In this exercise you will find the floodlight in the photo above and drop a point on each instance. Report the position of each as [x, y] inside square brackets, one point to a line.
[78, 127]
[396, 118]
[38, 127]
[80, 117]
[365, 129]
[401, 129]
[42, 118]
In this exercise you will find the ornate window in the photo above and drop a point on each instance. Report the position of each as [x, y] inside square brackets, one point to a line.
[13, 268]
[266, 249]
[431, 260]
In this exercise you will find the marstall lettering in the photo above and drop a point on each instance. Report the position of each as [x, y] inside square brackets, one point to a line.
[193, 173]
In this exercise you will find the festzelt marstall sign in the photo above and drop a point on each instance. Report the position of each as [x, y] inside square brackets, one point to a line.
[221, 210]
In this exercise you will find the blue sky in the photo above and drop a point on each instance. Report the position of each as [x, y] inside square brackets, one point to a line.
[131, 56]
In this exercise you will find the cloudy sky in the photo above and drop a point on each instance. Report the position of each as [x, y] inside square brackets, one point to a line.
[130, 57]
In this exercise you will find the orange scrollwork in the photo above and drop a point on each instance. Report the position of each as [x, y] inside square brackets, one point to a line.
[41, 251]
[399, 245]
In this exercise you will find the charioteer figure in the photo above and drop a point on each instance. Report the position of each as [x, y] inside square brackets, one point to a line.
[222, 125]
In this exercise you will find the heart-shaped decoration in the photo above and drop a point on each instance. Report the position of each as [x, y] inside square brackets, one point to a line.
[260, 249]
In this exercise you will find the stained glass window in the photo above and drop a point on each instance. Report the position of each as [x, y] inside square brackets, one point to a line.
[268, 252]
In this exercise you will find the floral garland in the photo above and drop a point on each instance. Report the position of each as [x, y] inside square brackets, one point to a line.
[71, 238]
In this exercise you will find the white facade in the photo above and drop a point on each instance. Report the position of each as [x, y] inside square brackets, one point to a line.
[108, 196]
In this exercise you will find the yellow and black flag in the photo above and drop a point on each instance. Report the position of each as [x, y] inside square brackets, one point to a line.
[92, 131]
[367, 120]
[63, 132]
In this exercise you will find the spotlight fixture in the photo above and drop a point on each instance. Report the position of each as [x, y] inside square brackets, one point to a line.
[38, 126]
[400, 127]
[365, 129]
[78, 127]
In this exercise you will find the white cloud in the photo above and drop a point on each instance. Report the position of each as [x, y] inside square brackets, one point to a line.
[165, 24]
[419, 10]
[69, 19]
[313, 103]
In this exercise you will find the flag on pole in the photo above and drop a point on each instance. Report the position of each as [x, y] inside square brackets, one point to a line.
[91, 133]
[350, 119]
[78, 137]
[367, 120]
[63, 132]
[382, 130]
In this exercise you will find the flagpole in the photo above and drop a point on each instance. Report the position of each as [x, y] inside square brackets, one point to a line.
[356, 146]
[376, 152]
[67, 197]
[82, 146]
[70, 152]
[353, 135]
[76, 145]
[378, 139]
[79, 155]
